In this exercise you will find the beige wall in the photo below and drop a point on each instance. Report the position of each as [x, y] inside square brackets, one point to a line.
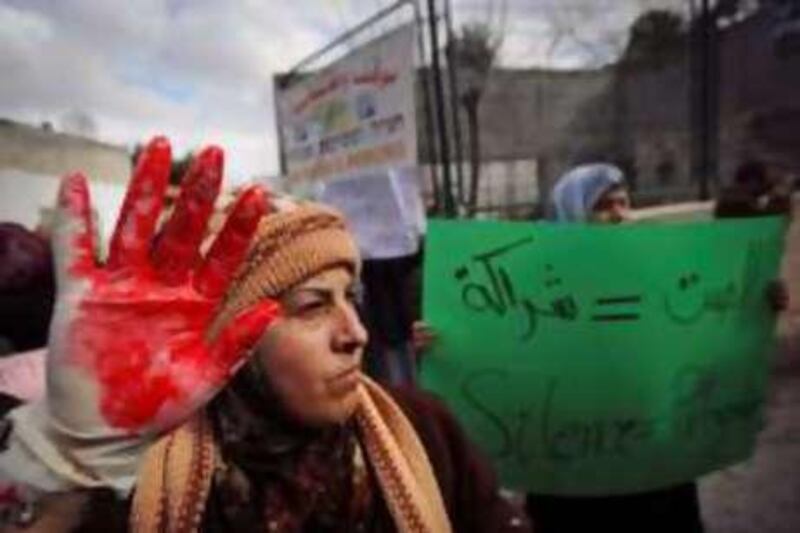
[35, 150]
[31, 161]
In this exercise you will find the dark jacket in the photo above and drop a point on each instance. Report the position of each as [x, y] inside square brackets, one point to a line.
[466, 480]
[736, 202]
[670, 510]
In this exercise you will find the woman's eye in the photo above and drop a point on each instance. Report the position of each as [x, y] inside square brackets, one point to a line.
[306, 307]
[311, 306]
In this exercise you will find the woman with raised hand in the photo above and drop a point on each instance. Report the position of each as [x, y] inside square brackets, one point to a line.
[596, 193]
[224, 392]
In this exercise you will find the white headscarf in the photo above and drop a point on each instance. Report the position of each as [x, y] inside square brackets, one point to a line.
[577, 191]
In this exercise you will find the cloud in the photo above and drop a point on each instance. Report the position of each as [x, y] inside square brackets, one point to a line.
[196, 71]
[201, 71]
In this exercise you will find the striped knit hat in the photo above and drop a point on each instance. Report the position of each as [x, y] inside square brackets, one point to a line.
[289, 247]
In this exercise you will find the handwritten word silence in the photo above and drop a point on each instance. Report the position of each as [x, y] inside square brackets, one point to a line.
[486, 286]
[700, 411]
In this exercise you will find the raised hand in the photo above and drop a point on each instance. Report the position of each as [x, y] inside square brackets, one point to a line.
[129, 348]
[130, 353]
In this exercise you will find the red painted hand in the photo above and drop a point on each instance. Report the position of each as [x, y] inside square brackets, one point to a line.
[129, 349]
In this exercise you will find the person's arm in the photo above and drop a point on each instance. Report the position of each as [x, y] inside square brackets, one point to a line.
[777, 295]
[130, 354]
[84, 511]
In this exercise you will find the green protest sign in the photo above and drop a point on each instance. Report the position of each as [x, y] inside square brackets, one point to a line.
[601, 360]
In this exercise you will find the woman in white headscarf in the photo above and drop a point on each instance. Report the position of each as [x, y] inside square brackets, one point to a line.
[597, 193]
[594, 192]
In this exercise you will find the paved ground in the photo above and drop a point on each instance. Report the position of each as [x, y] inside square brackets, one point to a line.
[763, 494]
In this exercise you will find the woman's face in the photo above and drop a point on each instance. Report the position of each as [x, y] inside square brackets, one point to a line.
[612, 207]
[312, 354]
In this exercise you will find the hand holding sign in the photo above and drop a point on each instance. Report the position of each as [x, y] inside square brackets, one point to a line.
[422, 336]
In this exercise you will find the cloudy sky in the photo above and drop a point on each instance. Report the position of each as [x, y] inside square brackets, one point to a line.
[200, 71]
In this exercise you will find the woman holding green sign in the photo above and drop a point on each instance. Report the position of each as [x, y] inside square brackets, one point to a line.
[597, 193]
[584, 497]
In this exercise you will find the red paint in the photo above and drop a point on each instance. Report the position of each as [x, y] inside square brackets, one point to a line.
[143, 339]
[232, 243]
[130, 244]
[145, 347]
[152, 353]
[73, 195]
[177, 249]
[243, 331]
[73, 200]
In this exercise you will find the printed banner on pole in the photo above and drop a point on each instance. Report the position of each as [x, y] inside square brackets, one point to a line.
[592, 360]
[354, 117]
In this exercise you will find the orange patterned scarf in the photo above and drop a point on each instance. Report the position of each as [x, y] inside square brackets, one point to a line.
[176, 474]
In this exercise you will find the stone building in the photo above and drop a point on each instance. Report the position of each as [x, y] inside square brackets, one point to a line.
[536, 124]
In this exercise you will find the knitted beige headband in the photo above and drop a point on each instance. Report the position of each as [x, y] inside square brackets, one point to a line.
[289, 247]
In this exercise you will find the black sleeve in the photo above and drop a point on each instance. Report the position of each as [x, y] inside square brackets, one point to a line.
[732, 204]
[467, 482]
[105, 512]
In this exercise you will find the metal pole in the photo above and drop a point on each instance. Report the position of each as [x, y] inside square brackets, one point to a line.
[449, 207]
[706, 98]
[277, 86]
[713, 99]
[703, 64]
[430, 132]
[452, 72]
[697, 98]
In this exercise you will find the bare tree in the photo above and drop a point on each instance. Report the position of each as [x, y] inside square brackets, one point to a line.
[656, 37]
[596, 31]
[474, 52]
[578, 27]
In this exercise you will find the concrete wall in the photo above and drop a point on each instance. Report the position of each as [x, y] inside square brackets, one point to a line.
[36, 150]
[28, 199]
[31, 162]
